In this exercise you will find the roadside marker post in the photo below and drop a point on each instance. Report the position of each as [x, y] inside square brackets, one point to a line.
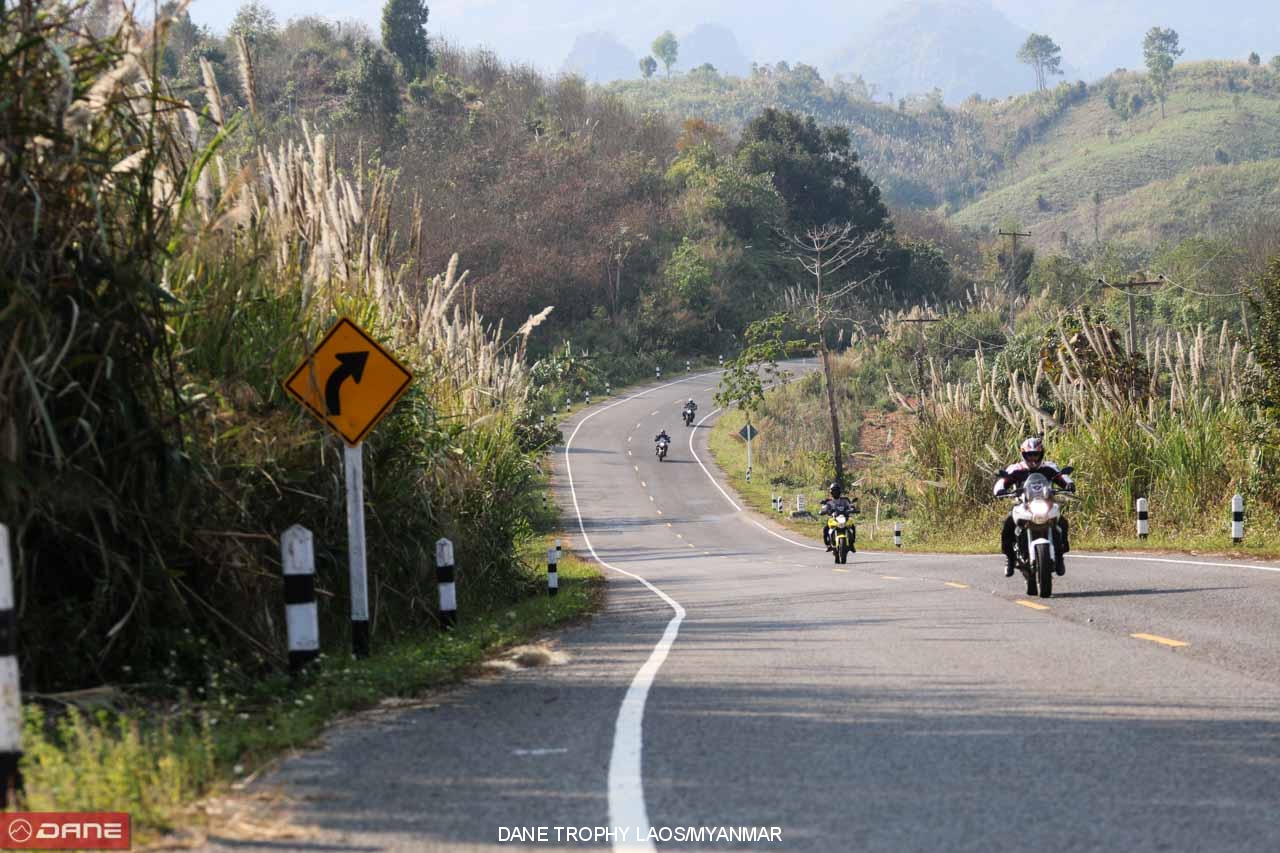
[350, 382]
[608, 392]
[1144, 522]
[897, 534]
[553, 576]
[297, 553]
[10, 689]
[721, 360]
[586, 397]
[657, 373]
[687, 368]
[446, 575]
[1237, 519]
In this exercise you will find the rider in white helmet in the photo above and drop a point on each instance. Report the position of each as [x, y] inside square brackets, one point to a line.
[1033, 462]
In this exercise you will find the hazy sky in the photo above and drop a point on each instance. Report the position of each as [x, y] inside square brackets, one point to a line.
[1096, 35]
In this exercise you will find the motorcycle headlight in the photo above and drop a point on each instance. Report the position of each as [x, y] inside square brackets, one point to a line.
[1040, 511]
[841, 520]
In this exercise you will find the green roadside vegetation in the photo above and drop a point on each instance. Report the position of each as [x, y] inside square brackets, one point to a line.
[1186, 420]
[160, 274]
[981, 536]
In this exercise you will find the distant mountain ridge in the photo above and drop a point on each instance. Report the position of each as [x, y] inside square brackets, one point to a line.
[960, 48]
[601, 58]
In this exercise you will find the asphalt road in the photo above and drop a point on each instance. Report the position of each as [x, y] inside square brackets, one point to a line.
[903, 702]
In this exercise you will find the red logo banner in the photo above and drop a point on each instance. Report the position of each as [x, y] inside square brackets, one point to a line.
[65, 831]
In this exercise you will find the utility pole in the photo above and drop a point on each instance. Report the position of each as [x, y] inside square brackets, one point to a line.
[1012, 270]
[1129, 294]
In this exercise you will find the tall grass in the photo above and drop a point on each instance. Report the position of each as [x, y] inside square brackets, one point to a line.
[1169, 423]
[154, 288]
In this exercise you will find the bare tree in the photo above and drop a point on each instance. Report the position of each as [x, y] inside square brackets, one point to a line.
[824, 251]
[621, 244]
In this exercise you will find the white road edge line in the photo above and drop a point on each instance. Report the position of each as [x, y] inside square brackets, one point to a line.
[731, 501]
[1138, 559]
[626, 784]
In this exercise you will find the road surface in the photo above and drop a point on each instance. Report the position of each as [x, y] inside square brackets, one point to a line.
[737, 678]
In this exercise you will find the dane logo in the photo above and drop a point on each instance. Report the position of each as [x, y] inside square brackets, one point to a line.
[65, 831]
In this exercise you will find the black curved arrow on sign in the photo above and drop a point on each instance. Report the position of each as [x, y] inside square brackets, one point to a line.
[350, 366]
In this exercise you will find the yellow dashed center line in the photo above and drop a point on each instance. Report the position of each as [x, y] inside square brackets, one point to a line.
[1033, 605]
[637, 467]
[955, 585]
[654, 412]
[668, 524]
[660, 513]
[890, 578]
[644, 484]
[651, 497]
[1164, 641]
[629, 439]
[842, 571]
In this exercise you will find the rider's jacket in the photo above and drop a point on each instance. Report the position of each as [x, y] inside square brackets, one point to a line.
[1017, 474]
[661, 436]
[836, 506]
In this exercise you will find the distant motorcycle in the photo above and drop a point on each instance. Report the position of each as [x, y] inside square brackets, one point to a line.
[1036, 512]
[660, 448]
[687, 414]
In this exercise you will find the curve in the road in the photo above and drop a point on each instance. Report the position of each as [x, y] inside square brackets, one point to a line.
[626, 783]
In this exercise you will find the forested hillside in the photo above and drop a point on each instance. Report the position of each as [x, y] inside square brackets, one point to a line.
[1049, 160]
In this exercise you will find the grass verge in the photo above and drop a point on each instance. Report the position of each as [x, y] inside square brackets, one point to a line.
[104, 751]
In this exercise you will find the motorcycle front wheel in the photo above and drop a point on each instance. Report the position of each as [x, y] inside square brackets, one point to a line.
[1044, 570]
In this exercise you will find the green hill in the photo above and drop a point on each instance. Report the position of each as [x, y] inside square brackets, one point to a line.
[1140, 163]
[1040, 160]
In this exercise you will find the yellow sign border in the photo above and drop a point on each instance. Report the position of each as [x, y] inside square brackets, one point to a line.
[321, 416]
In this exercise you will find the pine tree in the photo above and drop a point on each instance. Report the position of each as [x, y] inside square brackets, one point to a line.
[404, 35]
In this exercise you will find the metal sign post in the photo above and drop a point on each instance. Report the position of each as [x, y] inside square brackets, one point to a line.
[354, 464]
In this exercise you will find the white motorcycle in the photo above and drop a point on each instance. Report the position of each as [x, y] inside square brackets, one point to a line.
[1035, 516]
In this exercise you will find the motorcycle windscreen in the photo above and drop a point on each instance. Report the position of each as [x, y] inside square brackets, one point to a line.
[1037, 488]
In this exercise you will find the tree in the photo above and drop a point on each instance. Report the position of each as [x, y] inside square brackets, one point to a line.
[1254, 59]
[814, 169]
[1042, 54]
[743, 382]
[256, 23]
[824, 251]
[1275, 62]
[648, 66]
[373, 98]
[667, 49]
[404, 35]
[1160, 51]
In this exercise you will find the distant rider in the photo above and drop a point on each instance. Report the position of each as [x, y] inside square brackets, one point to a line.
[838, 504]
[692, 408]
[662, 436]
[1033, 462]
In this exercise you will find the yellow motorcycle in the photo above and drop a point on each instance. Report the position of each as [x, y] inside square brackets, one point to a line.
[840, 534]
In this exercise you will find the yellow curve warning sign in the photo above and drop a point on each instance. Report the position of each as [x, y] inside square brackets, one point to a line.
[349, 382]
